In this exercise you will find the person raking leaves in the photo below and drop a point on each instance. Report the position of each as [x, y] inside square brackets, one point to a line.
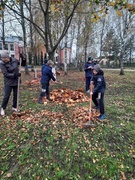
[46, 76]
[99, 83]
[10, 70]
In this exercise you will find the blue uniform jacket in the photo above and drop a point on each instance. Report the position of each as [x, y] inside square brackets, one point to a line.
[99, 82]
[88, 72]
[47, 74]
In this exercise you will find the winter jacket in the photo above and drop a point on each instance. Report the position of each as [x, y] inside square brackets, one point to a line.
[47, 74]
[99, 82]
[88, 72]
[10, 72]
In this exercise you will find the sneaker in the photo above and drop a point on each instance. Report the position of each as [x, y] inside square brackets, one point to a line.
[101, 117]
[40, 101]
[14, 109]
[88, 91]
[2, 112]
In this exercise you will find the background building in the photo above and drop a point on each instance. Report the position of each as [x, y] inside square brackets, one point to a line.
[13, 44]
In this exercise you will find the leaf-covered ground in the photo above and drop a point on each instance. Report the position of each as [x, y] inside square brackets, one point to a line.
[48, 142]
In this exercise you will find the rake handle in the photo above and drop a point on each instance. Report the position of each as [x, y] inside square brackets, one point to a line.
[90, 105]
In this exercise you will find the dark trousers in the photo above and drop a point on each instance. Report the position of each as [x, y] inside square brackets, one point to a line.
[7, 93]
[88, 79]
[45, 91]
[99, 102]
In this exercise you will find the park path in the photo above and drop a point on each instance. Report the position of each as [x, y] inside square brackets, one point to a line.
[128, 70]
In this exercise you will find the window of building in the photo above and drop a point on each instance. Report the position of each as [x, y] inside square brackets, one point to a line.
[6, 46]
[11, 47]
[0, 46]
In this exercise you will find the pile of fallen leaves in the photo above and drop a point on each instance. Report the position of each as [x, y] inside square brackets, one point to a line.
[76, 117]
[33, 82]
[62, 96]
[68, 96]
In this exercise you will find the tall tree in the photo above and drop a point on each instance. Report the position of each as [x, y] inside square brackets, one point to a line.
[125, 21]
[3, 23]
[111, 46]
[21, 3]
[60, 12]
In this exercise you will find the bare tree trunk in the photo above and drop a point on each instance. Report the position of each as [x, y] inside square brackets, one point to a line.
[65, 59]
[24, 35]
[32, 54]
[77, 43]
[3, 30]
[101, 40]
[121, 65]
[85, 51]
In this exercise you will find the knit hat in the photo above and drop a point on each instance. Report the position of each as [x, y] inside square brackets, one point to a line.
[4, 54]
[90, 58]
[50, 63]
[97, 67]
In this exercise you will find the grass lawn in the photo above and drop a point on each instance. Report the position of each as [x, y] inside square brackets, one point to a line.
[46, 143]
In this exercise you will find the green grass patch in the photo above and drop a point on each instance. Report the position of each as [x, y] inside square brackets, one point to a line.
[61, 151]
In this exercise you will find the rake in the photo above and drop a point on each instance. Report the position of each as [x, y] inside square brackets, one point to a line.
[90, 123]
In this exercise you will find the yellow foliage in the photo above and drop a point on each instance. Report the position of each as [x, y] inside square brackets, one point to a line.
[102, 10]
[104, 15]
[112, 3]
[90, 4]
[96, 16]
[52, 8]
[93, 20]
[118, 13]
[130, 5]
[1, 8]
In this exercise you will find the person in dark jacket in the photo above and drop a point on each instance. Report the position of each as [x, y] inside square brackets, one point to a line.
[99, 89]
[88, 68]
[45, 61]
[10, 70]
[46, 76]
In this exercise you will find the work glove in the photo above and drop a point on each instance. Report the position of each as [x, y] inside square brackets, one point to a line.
[19, 74]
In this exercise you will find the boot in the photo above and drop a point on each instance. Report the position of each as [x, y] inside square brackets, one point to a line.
[49, 99]
[40, 101]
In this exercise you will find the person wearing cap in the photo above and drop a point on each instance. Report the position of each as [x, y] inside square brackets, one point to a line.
[45, 61]
[46, 76]
[10, 70]
[99, 89]
[88, 68]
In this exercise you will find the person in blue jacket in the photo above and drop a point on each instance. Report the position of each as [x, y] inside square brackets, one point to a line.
[88, 68]
[46, 76]
[10, 71]
[99, 89]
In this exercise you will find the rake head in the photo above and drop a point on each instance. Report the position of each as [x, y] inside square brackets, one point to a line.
[89, 124]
